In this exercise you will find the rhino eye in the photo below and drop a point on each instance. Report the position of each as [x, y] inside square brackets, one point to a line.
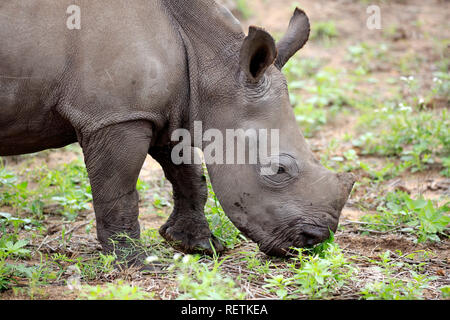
[282, 171]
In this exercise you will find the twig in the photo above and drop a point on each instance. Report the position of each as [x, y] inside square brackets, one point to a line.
[378, 232]
[67, 233]
[42, 243]
[348, 222]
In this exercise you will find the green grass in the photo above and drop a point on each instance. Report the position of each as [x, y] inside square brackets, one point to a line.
[11, 252]
[417, 138]
[114, 291]
[255, 263]
[221, 226]
[317, 93]
[88, 268]
[243, 8]
[66, 187]
[204, 281]
[324, 31]
[10, 249]
[419, 217]
[441, 86]
[389, 287]
[445, 292]
[395, 289]
[316, 273]
[367, 57]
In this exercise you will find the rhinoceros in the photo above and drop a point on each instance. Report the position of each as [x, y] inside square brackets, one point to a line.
[127, 74]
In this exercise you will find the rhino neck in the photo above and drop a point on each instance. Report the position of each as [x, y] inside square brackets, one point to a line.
[212, 38]
[207, 24]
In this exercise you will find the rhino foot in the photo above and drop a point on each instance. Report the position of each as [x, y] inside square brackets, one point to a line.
[191, 238]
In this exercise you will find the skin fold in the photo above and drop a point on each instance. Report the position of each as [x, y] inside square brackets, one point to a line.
[136, 71]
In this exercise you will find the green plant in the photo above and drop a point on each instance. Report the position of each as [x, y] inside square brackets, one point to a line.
[316, 273]
[418, 139]
[90, 268]
[324, 31]
[388, 171]
[114, 291]
[10, 249]
[72, 188]
[159, 202]
[279, 285]
[445, 292]
[298, 70]
[255, 263]
[432, 220]
[17, 223]
[12, 192]
[10, 271]
[417, 216]
[67, 187]
[317, 94]
[221, 226]
[243, 8]
[201, 281]
[142, 187]
[391, 288]
[39, 275]
[9, 274]
[446, 164]
[327, 89]
[441, 87]
[318, 277]
[365, 55]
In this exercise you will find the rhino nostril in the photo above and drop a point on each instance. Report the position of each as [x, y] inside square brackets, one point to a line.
[310, 242]
[312, 236]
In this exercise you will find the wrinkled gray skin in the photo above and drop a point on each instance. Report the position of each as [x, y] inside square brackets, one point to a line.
[137, 70]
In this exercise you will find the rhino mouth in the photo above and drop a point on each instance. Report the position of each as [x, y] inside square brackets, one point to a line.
[304, 235]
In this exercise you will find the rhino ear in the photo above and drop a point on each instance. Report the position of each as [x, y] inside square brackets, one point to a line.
[258, 52]
[296, 37]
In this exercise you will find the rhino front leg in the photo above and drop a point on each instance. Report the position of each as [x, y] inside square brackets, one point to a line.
[186, 228]
[114, 157]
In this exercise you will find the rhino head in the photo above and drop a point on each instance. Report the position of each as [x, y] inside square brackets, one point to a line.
[298, 201]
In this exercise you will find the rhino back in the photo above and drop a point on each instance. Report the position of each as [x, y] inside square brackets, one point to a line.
[125, 63]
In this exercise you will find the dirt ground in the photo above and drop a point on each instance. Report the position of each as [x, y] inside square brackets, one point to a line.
[417, 24]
